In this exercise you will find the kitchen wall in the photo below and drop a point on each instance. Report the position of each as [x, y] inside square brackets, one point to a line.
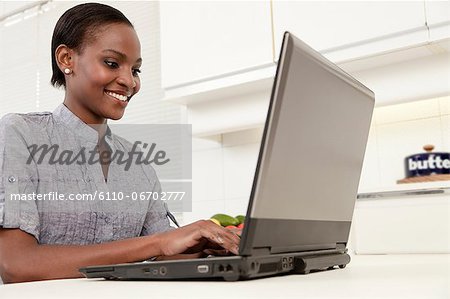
[222, 173]
[401, 130]
[223, 166]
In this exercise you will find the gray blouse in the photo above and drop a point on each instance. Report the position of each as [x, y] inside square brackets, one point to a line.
[68, 201]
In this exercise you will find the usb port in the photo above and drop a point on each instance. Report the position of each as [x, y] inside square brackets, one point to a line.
[202, 268]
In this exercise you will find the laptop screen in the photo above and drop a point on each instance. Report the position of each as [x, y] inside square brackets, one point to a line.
[311, 155]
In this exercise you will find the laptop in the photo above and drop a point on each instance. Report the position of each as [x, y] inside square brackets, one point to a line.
[305, 184]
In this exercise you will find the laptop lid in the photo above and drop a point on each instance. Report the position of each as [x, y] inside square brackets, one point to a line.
[311, 156]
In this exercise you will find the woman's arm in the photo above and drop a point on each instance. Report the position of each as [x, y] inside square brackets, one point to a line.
[23, 259]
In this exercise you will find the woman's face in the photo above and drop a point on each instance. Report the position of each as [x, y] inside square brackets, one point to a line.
[105, 74]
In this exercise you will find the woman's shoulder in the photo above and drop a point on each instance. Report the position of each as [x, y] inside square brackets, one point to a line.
[17, 119]
[23, 124]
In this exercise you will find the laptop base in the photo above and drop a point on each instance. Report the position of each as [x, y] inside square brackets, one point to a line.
[231, 268]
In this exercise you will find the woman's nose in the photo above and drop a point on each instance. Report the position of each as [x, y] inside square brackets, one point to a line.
[127, 79]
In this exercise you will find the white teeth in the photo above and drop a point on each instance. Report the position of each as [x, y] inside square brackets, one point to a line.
[117, 96]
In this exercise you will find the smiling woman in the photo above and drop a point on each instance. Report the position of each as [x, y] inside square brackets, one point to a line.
[96, 58]
[97, 62]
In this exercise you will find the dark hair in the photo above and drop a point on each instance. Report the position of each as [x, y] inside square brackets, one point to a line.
[77, 27]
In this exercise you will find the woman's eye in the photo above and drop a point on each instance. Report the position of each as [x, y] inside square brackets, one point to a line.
[136, 72]
[111, 64]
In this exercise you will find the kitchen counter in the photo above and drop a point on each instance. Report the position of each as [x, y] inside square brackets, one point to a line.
[367, 276]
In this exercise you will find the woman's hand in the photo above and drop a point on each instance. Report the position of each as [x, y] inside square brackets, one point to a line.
[196, 237]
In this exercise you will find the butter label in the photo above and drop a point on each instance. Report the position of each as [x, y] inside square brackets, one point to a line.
[427, 164]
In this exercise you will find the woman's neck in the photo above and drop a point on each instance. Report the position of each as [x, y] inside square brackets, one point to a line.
[96, 122]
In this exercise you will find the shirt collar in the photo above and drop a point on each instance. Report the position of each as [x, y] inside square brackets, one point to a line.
[64, 116]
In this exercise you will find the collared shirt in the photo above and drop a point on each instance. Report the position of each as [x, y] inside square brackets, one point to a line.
[62, 200]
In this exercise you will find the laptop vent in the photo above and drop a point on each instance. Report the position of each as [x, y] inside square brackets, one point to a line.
[269, 267]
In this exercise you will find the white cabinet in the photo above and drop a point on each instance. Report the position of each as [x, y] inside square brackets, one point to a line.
[204, 39]
[218, 58]
[335, 26]
[437, 11]
[438, 19]
[402, 225]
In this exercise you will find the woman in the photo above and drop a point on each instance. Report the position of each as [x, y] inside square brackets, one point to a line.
[96, 58]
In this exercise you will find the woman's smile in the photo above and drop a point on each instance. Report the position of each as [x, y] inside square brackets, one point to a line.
[119, 96]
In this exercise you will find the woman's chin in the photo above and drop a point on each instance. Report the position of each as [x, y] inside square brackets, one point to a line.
[115, 115]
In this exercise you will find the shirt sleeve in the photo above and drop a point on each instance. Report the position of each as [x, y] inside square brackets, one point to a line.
[156, 219]
[18, 177]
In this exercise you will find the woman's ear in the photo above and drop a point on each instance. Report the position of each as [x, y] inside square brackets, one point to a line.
[63, 56]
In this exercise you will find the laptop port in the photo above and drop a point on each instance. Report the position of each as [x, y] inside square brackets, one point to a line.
[202, 268]
[221, 268]
[163, 271]
[228, 268]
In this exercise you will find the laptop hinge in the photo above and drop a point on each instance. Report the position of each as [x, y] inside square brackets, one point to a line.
[297, 248]
[341, 246]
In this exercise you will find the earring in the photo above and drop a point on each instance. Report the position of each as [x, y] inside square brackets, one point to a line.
[67, 71]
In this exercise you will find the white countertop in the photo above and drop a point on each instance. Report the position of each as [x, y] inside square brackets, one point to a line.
[367, 276]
